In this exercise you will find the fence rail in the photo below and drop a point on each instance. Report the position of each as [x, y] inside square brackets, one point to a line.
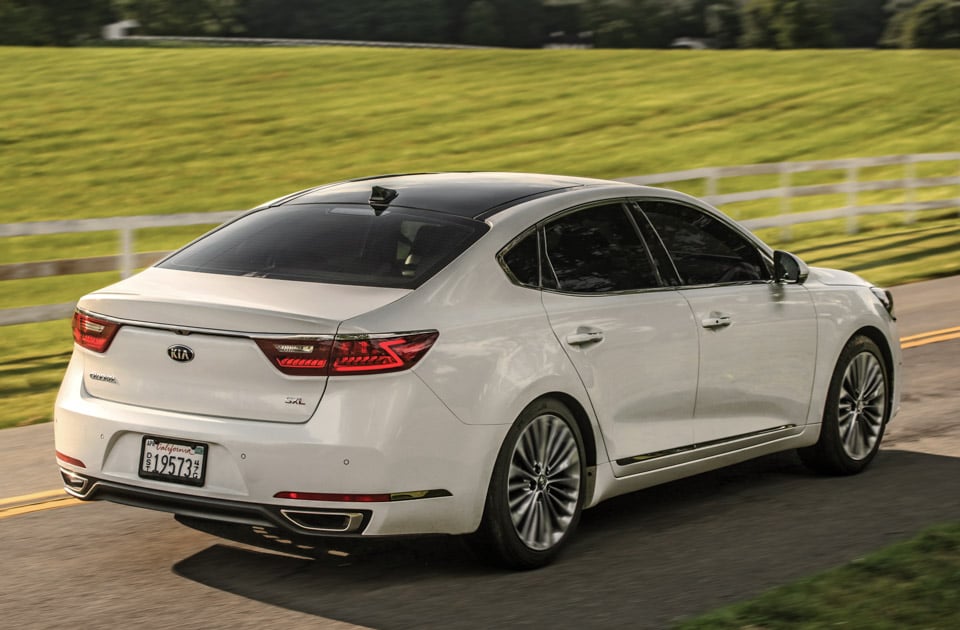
[852, 186]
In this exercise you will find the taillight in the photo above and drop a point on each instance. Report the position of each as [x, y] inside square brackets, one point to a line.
[299, 357]
[379, 354]
[353, 354]
[92, 332]
[70, 460]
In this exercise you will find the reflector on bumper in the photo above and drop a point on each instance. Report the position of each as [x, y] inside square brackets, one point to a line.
[362, 498]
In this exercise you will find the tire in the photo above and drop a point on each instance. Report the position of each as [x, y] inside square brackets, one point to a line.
[855, 414]
[537, 489]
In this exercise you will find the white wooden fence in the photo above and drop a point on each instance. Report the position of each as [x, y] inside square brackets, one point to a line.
[851, 186]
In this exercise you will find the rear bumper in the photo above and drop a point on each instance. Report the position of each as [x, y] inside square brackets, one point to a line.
[373, 435]
[303, 522]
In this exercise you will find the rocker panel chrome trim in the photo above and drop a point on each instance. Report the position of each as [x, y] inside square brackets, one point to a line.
[693, 451]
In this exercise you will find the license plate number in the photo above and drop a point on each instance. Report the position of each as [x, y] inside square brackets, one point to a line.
[176, 461]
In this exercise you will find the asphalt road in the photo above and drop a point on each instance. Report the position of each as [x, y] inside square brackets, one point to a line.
[643, 560]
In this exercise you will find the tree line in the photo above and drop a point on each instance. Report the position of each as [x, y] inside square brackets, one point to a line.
[512, 23]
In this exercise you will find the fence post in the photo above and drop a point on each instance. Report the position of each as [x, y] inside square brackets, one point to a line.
[710, 186]
[126, 252]
[786, 192]
[853, 225]
[910, 174]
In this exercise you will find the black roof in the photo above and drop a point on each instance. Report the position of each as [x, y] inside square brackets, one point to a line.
[472, 195]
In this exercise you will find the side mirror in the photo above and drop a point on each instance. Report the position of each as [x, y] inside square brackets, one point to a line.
[789, 269]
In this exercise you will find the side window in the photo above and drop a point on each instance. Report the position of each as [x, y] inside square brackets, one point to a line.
[523, 261]
[704, 250]
[598, 250]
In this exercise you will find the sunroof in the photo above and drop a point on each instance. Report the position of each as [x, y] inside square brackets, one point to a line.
[465, 194]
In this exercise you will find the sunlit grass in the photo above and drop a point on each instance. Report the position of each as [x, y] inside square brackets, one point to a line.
[911, 585]
[118, 132]
[31, 370]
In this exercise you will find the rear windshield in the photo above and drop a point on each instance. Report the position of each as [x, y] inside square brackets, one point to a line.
[335, 244]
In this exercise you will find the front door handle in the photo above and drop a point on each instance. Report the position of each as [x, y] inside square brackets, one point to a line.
[584, 335]
[716, 320]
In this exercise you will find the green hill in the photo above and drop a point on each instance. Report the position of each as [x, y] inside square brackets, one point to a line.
[93, 132]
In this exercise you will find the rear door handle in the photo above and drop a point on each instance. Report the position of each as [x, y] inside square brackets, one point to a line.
[716, 320]
[584, 335]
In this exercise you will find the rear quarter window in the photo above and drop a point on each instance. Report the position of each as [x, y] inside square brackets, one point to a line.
[522, 261]
[333, 244]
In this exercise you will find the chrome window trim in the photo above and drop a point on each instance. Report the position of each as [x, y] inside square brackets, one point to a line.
[715, 213]
[623, 202]
[534, 229]
[634, 210]
[766, 254]
[612, 293]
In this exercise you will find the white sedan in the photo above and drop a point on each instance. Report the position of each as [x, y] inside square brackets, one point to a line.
[464, 353]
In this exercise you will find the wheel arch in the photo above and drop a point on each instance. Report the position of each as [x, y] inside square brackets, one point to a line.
[497, 537]
[876, 336]
[582, 419]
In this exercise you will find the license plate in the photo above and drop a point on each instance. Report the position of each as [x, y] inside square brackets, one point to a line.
[177, 461]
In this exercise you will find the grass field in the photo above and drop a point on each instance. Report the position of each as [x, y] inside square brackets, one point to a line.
[911, 585]
[95, 132]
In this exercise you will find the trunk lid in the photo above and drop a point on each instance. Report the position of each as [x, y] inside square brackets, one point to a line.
[186, 341]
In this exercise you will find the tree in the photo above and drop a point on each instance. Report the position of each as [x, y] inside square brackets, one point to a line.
[482, 25]
[899, 12]
[22, 24]
[634, 23]
[722, 23]
[786, 24]
[616, 34]
[757, 17]
[456, 12]
[183, 17]
[52, 22]
[803, 24]
[858, 23]
[521, 22]
[933, 24]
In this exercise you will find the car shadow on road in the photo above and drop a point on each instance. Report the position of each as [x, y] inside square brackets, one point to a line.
[645, 559]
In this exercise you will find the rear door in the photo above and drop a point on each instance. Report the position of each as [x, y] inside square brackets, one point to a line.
[758, 338]
[632, 340]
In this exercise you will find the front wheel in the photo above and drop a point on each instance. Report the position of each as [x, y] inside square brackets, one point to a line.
[537, 489]
[856, 412]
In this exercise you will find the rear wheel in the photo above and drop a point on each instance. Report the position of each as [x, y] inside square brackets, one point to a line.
[856, 412]
[537, 489]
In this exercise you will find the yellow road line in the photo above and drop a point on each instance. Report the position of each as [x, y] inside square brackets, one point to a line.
[33, 498]
[929, 340]
[932, 333]
[39, 507]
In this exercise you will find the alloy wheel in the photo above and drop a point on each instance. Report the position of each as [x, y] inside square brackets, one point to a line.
[861, 405]
[544, 481]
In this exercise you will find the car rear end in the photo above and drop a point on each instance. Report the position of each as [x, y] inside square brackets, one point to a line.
[216, 385]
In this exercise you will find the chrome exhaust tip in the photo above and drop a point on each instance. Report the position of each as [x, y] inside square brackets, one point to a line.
[335, 522]
[74, 483]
